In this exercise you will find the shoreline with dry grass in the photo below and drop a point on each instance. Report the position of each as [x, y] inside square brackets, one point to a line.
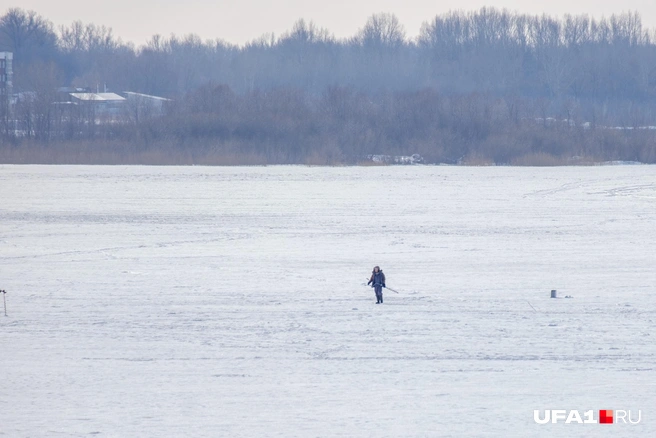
[123, 153]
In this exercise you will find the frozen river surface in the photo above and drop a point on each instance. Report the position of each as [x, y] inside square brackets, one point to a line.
[229, 302]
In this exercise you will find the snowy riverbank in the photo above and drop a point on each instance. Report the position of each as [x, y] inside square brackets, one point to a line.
[203, 301]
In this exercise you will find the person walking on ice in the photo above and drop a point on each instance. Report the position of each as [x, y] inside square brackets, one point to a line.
[377, 281]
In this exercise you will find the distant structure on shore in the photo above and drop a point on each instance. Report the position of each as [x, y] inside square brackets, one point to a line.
[6, 73]
[76, 110]
[6, 82]
[112, 106]
[396, 159]
[105, 103]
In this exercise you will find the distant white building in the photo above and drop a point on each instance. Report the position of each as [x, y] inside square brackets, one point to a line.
[112, 107]
[102, 107]
[144, 106]
[100, 99]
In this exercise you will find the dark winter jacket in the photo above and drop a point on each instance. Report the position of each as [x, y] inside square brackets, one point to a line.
[377, 278]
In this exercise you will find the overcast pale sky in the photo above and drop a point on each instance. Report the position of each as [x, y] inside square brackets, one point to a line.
[239, 21]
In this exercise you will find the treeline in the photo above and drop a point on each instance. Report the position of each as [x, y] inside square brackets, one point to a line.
[483, 86]
[215, 125]
[490, 50]
[344, 125]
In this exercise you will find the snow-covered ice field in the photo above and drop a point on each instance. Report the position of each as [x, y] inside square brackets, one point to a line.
[229, 302]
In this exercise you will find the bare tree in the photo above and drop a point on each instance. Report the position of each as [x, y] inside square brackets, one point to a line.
[35, 110]
[27, 34]
[382, 31]
[79, 37]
